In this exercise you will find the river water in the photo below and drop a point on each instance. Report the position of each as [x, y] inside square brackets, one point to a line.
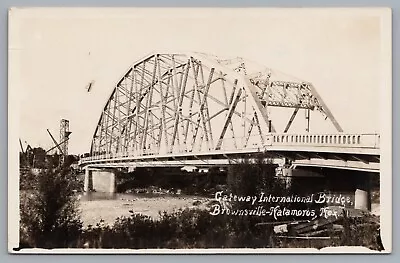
[97, 206]
[93, 196]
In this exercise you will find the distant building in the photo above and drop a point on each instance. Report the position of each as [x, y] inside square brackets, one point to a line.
[190, 169]
[203, 170]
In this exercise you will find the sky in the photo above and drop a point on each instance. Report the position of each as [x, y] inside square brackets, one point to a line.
[59, 51]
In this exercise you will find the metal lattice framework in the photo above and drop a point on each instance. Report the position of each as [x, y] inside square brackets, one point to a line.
[64, 133]
[193, 102]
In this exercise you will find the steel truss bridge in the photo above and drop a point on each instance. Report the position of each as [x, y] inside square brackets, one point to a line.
[177, 109]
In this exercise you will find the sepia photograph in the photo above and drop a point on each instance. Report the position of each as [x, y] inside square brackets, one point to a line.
[199, 130]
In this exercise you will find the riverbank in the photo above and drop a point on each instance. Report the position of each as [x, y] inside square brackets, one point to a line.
[108, 208]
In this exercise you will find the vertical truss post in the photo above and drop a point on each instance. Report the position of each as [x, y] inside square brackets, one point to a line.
[128, 111]
[227, 103]
[137, 109]
[107, 136]
[249, 132]
[307, 111]
[228, 118]
[206, 106]
[202, 102]
[148, 107]
[163, 128]
[190, 105]
[113, 122]
[117, 102]
[175, 99]
[244, 100]
[99, 140]
[201, 106]
[178, 107]
[259, 128]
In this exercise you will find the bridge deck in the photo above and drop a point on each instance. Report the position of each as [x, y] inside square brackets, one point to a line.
[348, 151]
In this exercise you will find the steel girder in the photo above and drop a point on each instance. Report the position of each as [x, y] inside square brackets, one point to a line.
[193, 102]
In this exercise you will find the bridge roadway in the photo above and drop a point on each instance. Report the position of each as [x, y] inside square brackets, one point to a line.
[341, 151]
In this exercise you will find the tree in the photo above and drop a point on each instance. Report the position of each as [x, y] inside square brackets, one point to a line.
[252, 178]
[49, 212]
[39, 155]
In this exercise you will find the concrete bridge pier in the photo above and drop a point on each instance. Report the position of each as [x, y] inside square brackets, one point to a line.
[362, 195]
[287, 174]
[88, 183]
[99, 181]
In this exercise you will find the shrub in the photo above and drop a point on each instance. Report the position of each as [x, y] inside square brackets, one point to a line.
[48, 212]
[361, 231]
[249, 178]
[189, 228]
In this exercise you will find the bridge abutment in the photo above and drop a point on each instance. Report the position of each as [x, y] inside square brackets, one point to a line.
[99, 181]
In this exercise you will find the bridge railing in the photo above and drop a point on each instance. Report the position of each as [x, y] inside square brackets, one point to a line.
[230, 144]
[340, 140]
[117, 155]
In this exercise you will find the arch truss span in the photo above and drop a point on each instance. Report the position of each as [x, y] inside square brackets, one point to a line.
[169, 103]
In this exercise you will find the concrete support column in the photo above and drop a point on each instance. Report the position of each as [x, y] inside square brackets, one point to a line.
[287, 174]
[361, 200]
[112, 183]
[103, 181]
[362, 197]
[88, 183]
